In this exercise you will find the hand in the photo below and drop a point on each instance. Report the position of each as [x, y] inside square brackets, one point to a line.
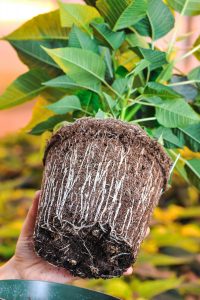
[25, 264]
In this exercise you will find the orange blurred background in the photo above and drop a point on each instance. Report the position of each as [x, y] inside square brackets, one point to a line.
[15, 12]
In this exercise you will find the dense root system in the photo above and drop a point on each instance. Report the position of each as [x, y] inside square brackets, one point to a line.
[102, 180]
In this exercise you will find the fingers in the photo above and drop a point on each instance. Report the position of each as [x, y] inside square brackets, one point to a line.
[147, 232]
[29, 223]
[129, 271]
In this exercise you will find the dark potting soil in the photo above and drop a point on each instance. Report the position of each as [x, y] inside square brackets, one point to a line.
[101, 182]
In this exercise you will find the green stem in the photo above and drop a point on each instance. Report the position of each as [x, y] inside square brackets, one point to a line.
[183, 82]
[144, 120]
[110, 88]
[176, 29]
[132, 112]
[188, 54]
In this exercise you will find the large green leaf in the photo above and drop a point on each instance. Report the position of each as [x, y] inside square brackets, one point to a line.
[79, 64]
[193, 171]
[122, 13]
[107, 37]
[136, 40]
[66, 82]
[47, 125]
[158, 21]
[192, 7]
[170, 139]
[176, 113]
[65, 105]
[156, 58]
[31, 53]
[80, 39]
[157, 89]
[41, 27]
[24, 88]
[77, 14]
[190, 136]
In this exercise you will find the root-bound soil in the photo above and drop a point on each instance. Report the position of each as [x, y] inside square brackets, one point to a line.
[101, 181]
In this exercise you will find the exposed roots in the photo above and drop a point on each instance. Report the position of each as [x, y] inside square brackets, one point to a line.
[100, 185]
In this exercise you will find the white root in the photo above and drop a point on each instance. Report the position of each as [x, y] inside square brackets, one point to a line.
[99, 199]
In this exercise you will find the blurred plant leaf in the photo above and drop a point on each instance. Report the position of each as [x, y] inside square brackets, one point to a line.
[192, 7]
[108, 37]
[39, 114]
[25, 88]
[136, 40]
[195, 75]
[158, 21]
[164, 260]
[155, 58]
[47, 125]
[79, 64]
[189, 136]
[32, 54]
[42, 27]
[66, 82]
[170, 139]
[77, 14]
[196, 44]
[122, 13]
[80, 39]
[193, 171]
[151, 288]
[65, 105]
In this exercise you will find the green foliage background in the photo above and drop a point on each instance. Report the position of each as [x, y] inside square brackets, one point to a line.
[102, 60]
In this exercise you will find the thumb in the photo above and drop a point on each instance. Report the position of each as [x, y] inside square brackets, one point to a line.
[29, 223]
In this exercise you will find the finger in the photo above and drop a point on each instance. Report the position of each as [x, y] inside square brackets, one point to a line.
[29, 223]
[129, 271]
[147, 232]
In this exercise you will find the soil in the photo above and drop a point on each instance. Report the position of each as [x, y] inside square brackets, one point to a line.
[101, 182]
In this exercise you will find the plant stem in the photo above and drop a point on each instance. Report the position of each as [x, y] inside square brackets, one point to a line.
[188, 54]
[110, 88]
[132, 112]
[176, 29]
[183, 82]
[144, 120]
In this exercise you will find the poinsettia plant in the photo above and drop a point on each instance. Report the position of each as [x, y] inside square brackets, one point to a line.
[101, 59]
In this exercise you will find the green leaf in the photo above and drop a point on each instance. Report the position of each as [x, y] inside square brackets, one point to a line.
[156, 58]
[26, 87]
[176, 113]
[66, 82]
[31, 53]
[151, 288]
[192, 8]
[77, 14]
[79, 64]
[65, 105]
[108, 37]
[196, 44]
[106, 55]
[42, 27]
[190, 136]
[195, 75]
[47, 125]
[158, 21]
[136, 40]
[170, 139]
[122, 13]
[120, 85]
[101, 114]
[157, 89]
[164, 260]
[80, 39]
[193, 171]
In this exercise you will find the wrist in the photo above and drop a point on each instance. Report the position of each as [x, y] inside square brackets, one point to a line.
[9, 270]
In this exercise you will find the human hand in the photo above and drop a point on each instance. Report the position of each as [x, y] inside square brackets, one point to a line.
[25, 264]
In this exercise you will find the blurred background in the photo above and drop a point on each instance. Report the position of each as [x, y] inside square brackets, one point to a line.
[169, 262]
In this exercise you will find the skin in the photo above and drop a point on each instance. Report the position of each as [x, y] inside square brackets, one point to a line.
[25, 264]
